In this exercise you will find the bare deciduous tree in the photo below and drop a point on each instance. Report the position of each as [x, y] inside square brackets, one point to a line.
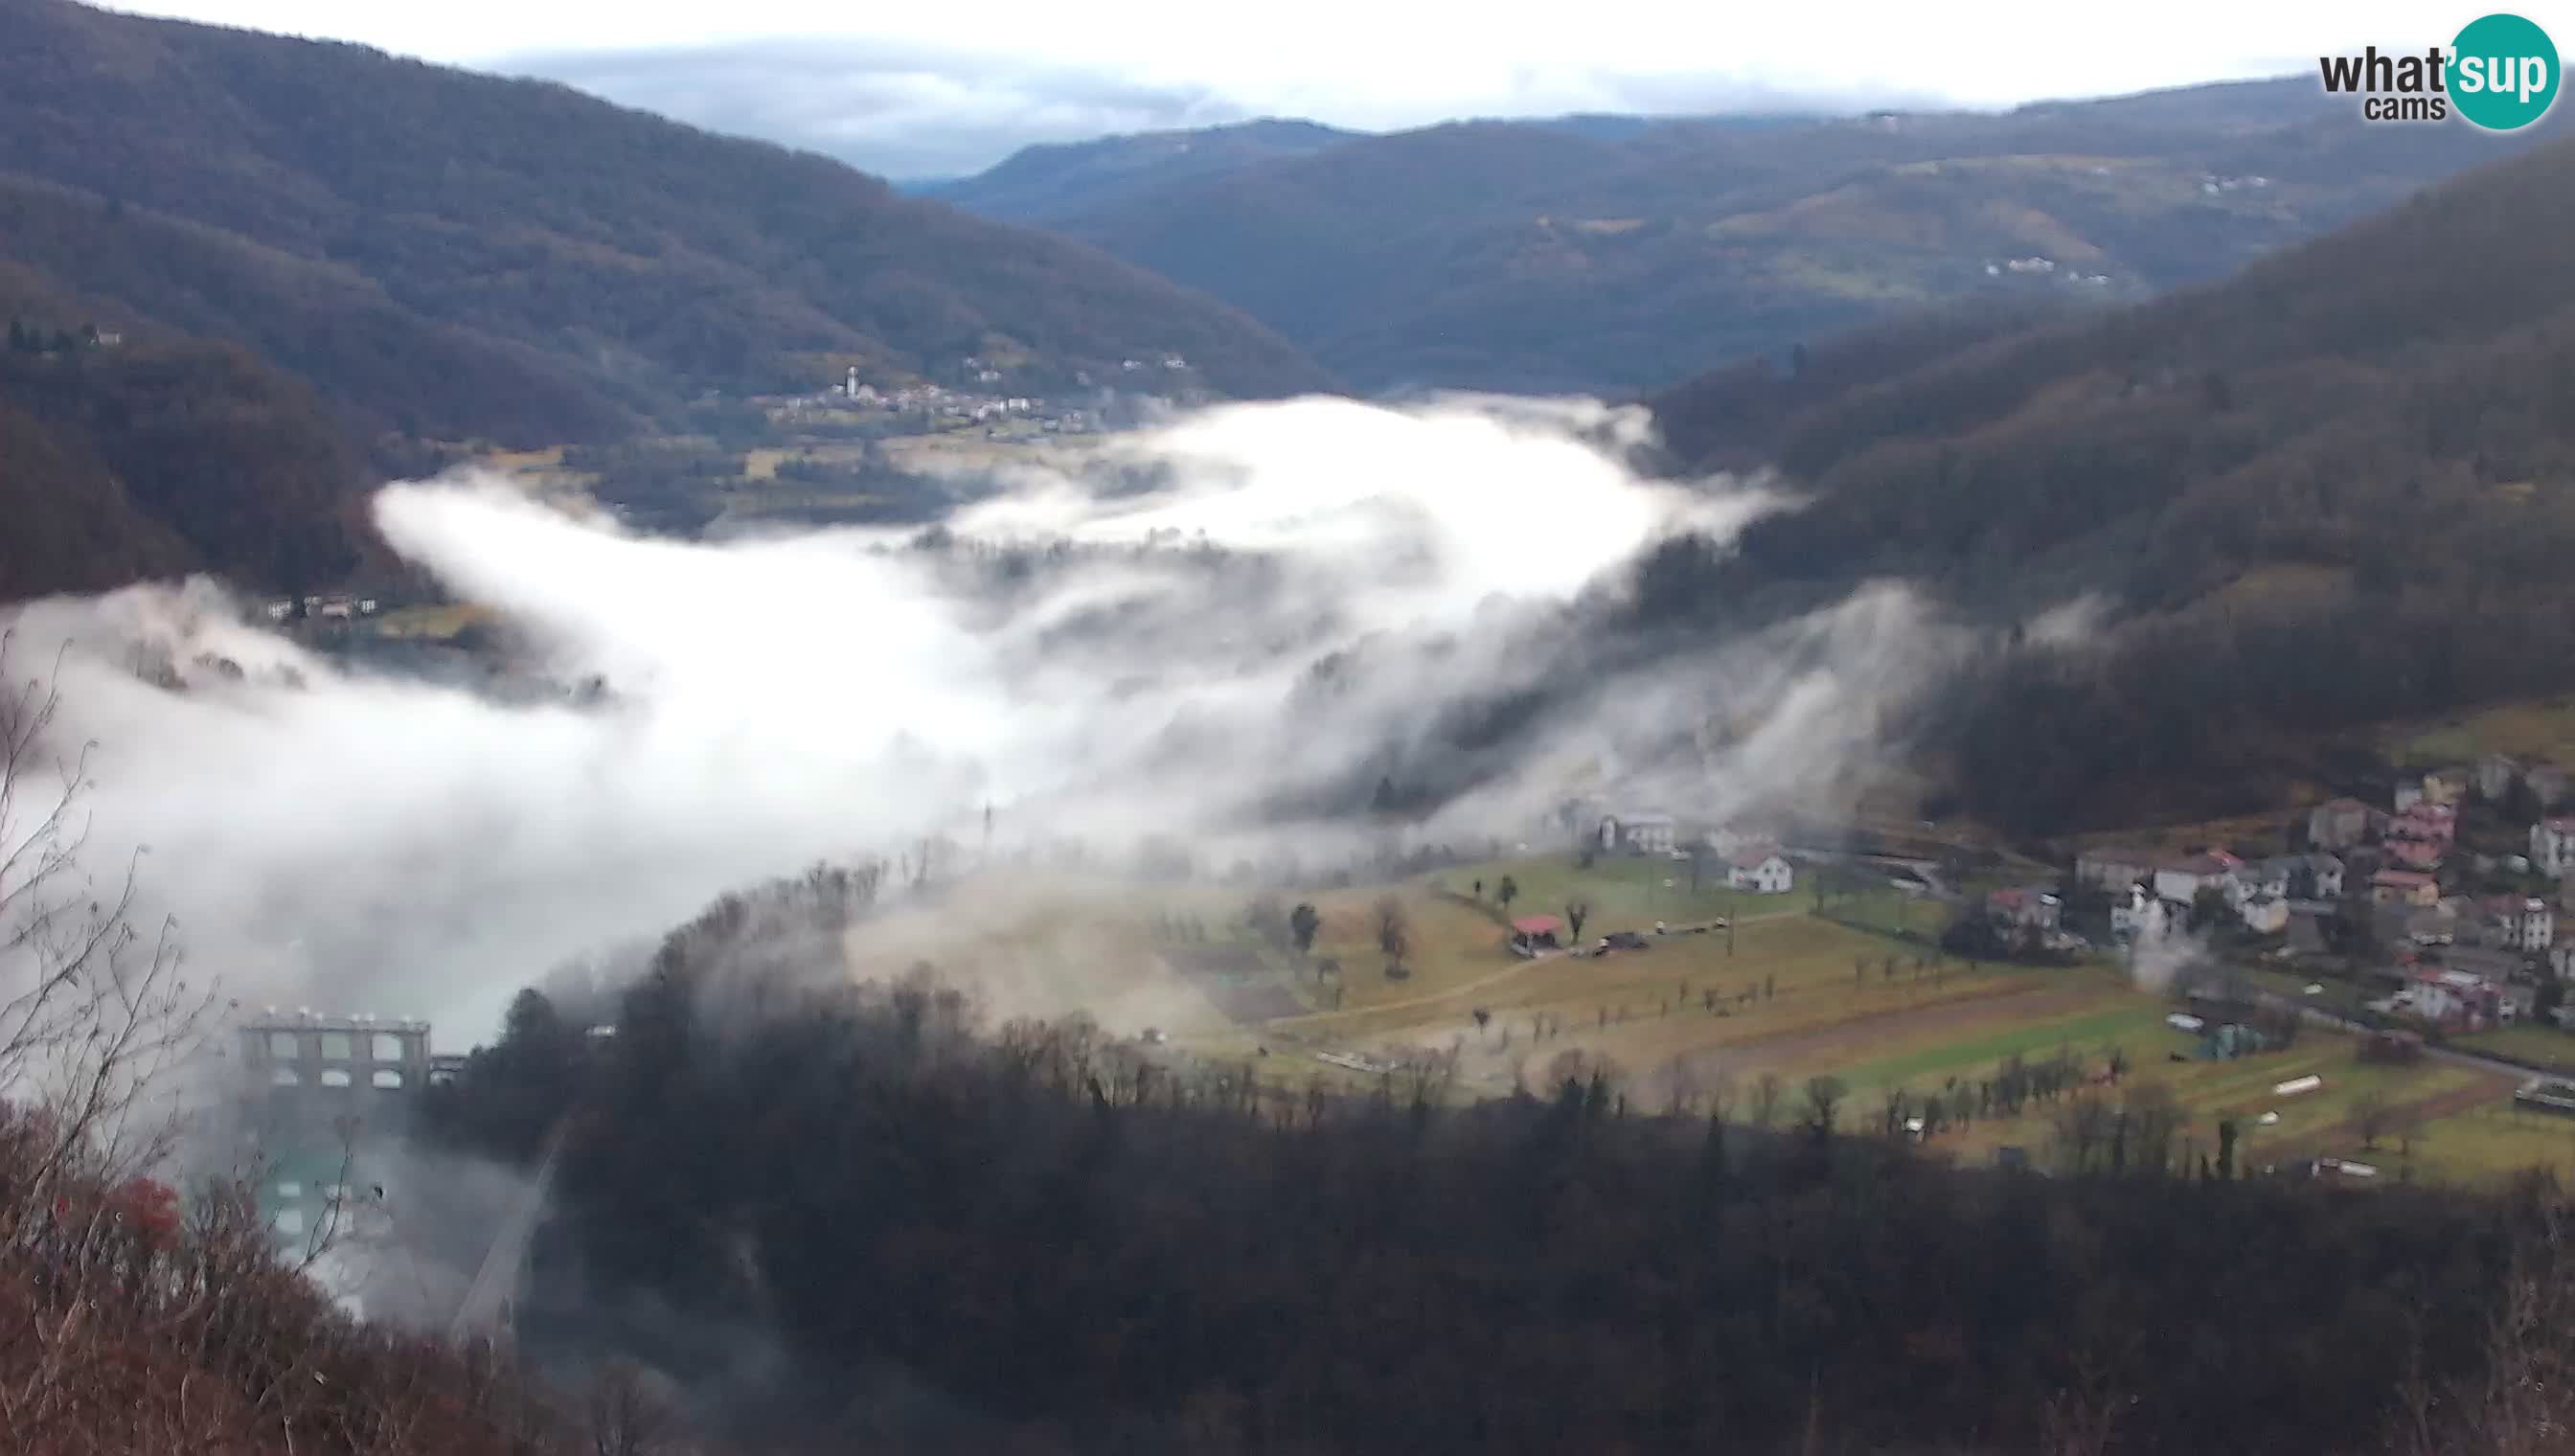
[92, 1011]
[1394, 931]
[1824, 1100]
[1765, 1099]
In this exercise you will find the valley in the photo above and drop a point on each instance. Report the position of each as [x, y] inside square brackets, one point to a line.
[1797, 770]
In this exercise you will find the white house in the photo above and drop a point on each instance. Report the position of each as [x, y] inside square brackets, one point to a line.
[2552, 847]
[2456, 996]
[2538, 925]
[1760, 869]
[2264, 877]
[2139, 915]
[2264, 914]
[2523, 925]
[2183, 879]
[1642, 833]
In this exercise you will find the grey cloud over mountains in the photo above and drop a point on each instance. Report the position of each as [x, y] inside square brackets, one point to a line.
[900, 111]
[904, 110]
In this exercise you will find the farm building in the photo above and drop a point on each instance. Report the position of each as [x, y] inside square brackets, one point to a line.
[2028, 906]
[1638, 834]
[1760, 869]
[1532, 933]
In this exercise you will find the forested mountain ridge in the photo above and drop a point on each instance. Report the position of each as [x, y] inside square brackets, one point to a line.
[1543, 256]
[147, 458]
[2335, 490]
[1053, 180]
[525, 237]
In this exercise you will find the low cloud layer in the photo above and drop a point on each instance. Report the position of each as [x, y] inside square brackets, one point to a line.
[920, 91]
[898, 111]
[1318, 591]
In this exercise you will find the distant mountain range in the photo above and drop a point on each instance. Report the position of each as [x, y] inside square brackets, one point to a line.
[1042, 183]
[457, 254]
[1052, 182]
[1618, 253]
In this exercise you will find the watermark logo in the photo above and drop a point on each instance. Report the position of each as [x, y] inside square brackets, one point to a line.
[2500, 73]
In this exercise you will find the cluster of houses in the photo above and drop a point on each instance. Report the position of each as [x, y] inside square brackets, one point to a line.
[2045, 267]
[2030, 919]
[2152, 892]
[1754, 861]
[330, 606]
[2461, 960]
[934, 406]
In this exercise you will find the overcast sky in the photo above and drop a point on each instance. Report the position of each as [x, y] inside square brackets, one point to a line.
[940, 89]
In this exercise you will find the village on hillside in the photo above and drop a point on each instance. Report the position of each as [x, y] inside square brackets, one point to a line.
[2443, 901]
[982, 398]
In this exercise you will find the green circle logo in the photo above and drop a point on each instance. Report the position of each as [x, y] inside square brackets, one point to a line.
[2504, 72]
